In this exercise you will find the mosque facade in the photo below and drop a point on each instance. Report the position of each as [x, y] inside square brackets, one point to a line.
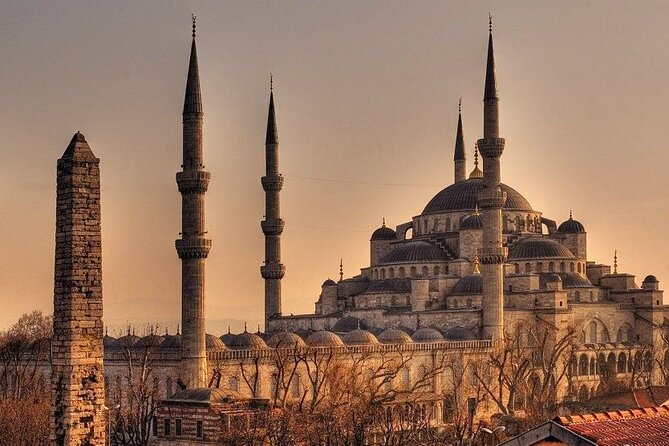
[478, 265]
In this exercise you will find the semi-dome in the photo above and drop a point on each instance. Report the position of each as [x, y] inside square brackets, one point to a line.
[171, 342]
[538, 247]
[247, 341]
[571, 226]
[470, 222]
[574, 280]
[213, 343]
[650, 279]
[150, 341]
[329, 282]
[427, 334]
[285, 339]
[463, 196]
[471, 284]
[360, 337]
[324, 338]
[414, 252]
[384, 233]
[394, 336]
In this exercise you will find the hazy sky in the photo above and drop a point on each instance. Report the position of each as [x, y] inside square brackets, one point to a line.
[366, 96]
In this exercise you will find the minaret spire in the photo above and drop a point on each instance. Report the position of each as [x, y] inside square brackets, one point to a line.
[272, 226]
[193, 246]
[491, 200]
[459, 157]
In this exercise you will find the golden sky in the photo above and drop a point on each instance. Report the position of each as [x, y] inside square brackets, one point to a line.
[366, 97]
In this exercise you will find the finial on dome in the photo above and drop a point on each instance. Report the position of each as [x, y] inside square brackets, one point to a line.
[476, 173]
[194, 18]
[258, 329]
[228, 329]
[615, 262]
[490, 22]
[166, 332]
[460, 105]
[476, 264]
[571, 216]
[106, 331]
[271, 83]
[384, 222]
[341, 269]
[178, 330]
[245, 328]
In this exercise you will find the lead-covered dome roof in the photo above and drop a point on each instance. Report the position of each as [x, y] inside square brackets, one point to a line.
[324, 338]
[473, 221]
[427, 334]
[247, 341]
[360, 337]
[150, 341]
[414, 252]
[471, 284]
[213, 343]
[463, 196]
[394, 336]
[538, 247]
[571, 226]
[285, 339]
[384, 233]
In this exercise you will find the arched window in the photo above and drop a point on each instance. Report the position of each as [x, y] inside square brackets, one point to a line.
[583, 365]
[528, 267]
[412, 271]
[383, 273]
[551, 267]
[391, 273]
[426, 271]
[592, 339]
[622, 363]
[571, 267]
[561, 267]
[435, 225]
[437, 270]
[448, 224]
[401, 271]
[540, 267]
[516, 268]
[593, 367]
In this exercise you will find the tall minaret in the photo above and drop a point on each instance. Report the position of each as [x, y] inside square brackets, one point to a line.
[491, 200]
[193, 246]
[459, 157]
[272, 226]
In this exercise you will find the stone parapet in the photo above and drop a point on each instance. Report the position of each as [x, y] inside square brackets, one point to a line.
[273, 271]
[193, 247]
[272, 227]
[491, 147]
[193, 181]
[272, 183]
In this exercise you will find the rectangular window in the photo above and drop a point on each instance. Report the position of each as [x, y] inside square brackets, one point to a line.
[178, 428]
[200, 430]
[168, 427]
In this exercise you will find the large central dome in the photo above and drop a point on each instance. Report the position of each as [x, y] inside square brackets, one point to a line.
[463, 196]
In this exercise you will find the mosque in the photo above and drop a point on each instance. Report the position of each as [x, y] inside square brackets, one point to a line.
[478, 264]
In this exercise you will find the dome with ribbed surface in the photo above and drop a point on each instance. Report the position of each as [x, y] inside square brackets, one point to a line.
[172, 343]
[470, 222]
[414, 252]
[329, 282]
[360, 337]
[650, 279]
[150, 341]
[285, 339]
[394, 336]
[539, 247]
[324, 338]
[213, 343]
[463, 196]
[427, 334]
[247, 341]
[108, 341]
[227, 338]
[571, 226]
[384, 233]
[554, 278]
[126, 341]
[471, 284]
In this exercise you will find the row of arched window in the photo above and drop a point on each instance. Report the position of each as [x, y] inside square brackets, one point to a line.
[611, 364]
[550, 267]
[394, 272]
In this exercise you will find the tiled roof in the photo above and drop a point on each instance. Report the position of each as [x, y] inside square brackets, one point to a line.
[647, 426]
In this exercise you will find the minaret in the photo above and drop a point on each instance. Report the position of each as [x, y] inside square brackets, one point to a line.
[193, 246]
[77, 376]
[272, 226]
[459, 157]
[491, 200]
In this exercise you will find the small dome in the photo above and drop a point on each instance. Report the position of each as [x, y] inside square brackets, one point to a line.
[650, 279]
[285, 339]
[108, 341]
[171, 342]
[414, 251]
[394, 336]
[324, 338]
[126, 341]
[575, 280]
[471, 284]
[213, 343]
[554, 278]
[150, 341]
[571, 226]
[459, 334]
[360, 337]
[470, 222]
[329, 282]
[384, 233]
[427, 334]
[348, 323]
[539, 247]
[247, 341]
[228, 338]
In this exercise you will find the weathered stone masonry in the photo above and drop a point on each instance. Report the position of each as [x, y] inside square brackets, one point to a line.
[77, 377]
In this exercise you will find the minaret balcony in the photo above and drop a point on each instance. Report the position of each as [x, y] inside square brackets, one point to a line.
[272, 227]
[193, 247]
[273, 271]
[493, 255]
[272, 183]
[491, 147]
[193, 181]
